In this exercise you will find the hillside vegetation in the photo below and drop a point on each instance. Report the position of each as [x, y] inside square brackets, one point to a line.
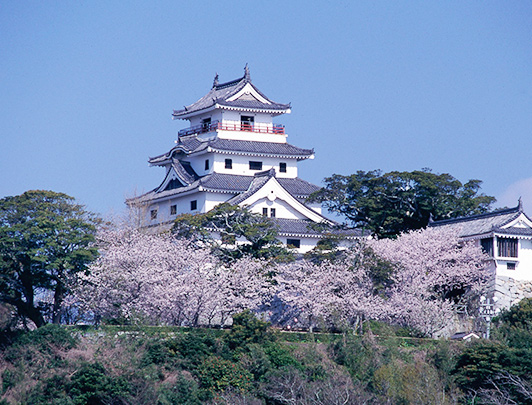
[252, 364]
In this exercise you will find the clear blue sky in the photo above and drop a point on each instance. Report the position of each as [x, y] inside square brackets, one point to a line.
[87, 87]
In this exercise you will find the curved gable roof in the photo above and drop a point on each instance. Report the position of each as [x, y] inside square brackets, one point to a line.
[484, 223]
[222, 94]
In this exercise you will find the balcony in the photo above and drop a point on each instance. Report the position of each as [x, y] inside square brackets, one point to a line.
[235, 126]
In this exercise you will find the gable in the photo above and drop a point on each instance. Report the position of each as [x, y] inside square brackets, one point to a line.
[522, 221]
[248, 93]
[170, 182]
[271, 190]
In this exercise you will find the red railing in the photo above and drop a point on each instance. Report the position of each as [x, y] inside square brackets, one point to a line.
[243, 126]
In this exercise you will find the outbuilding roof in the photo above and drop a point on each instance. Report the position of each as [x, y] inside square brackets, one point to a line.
[220, 94]
[495, 221]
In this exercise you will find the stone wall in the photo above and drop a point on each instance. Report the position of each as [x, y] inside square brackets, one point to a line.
[509, 291]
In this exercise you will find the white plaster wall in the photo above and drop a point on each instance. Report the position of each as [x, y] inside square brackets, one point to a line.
[525, 259]
[213, 199]
[282, 208]
[307, 244]
[234, 117]
[523, 270]
[198, 163]
[252, 136]
[315, 206]
[523, 262]
[241, 165]
[183, 207]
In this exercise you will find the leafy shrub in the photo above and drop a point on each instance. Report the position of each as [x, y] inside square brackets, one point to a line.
[10, 378]
[156, 352]
[51, 391]
[255, 361]
[247, 329]
[217, 374]
[477, 364]
[49, 336]
[515, 325]
[92, 385]
[193, 347]
[182, 392]
[358, 355]
[280, 356]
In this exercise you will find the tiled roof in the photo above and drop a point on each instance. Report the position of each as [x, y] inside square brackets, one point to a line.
[219, 94]
[185, 172]
[232, 184]
[191, 144]
[288, 227]
[298, 187]
[267, 148]
[514, 230]
[255, 185]
[482, 223]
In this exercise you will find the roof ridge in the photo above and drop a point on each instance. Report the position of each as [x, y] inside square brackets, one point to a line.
[490, 214]
[246, 78]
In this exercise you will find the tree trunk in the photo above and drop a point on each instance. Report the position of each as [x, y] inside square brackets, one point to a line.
[59, 294]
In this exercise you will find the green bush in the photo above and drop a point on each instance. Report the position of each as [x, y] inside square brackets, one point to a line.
[156, 352]
[51, 391]
[182, 392]
[10, 378]
[247, 329]
[359, 355]
[280, 356]
[48, 336]
[92, 385]
[477, 364]
[217, 374]
[255, 361]
[192, 347]
[514, 325]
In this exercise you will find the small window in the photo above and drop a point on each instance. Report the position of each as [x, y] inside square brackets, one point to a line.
[228, 163]
[272, 212]
[173, 209]
[255, 165]
[193, 205]
[507, 247]
[206, 124]
[294, 243]
[207, 164]
[246, 122]
[487, 245]
[265, 212]
[153, 214]
[282, 167]
[510, 266]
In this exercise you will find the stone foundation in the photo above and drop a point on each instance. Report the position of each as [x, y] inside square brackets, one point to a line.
[509, 291]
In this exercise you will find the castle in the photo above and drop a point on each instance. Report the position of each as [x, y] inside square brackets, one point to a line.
[233, 152]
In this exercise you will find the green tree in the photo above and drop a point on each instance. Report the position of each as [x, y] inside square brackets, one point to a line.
[45, 238]
[390, 203]
[233, 232]
[514, 325]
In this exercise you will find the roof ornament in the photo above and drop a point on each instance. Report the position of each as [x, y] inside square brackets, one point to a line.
[247, 76]
[431, 218]
[215, 82]
[520, 204]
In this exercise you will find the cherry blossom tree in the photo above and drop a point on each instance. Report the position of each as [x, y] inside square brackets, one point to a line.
[159, 279]
[327, 291]
[413, 281]
[434, 270]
